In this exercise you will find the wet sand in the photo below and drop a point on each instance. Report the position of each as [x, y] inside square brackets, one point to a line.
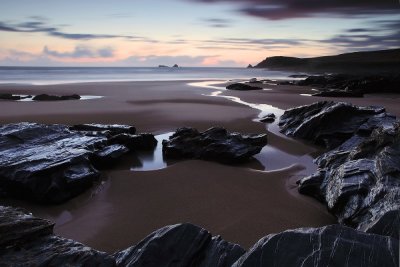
[240, 203]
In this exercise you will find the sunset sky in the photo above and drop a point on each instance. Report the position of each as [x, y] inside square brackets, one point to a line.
[189, 32]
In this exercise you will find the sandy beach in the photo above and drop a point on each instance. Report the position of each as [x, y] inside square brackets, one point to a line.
[241, 203]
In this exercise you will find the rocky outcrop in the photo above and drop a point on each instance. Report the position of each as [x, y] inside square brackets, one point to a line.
[338, 93]
[269, 118]
[333, 245]
[335, 85]
[10, 97]
[359, 178]
[215, 144]
[53, 163]
[46, 97]
[180, 245]
[242, 87]
[29, 241]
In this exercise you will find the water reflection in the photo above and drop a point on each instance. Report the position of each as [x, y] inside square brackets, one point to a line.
[152, 160]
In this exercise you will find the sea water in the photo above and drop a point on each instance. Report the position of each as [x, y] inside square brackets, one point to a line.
[58, 75]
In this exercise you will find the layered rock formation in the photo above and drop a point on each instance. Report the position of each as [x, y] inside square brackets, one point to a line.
[214, 144]
[353, 85]
[29, 241]
[359, 178]
[53, 163]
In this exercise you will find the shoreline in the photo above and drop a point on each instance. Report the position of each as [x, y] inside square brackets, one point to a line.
[108, 218]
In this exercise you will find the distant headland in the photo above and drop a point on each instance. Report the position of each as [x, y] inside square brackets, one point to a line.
[383, 60]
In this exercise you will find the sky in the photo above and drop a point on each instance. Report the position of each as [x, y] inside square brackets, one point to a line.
[208, 33]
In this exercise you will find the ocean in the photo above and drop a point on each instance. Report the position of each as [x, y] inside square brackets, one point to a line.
[59, 75]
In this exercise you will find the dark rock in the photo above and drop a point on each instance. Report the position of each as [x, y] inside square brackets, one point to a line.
[269, 118]
[242, 87]
[112, 129]
[143, 141]
[298, 76]
[53, 163]
[333, 245]
[359, 179]
[29, 241]
[175, 66]
[46, 97]
[10, 97]
[329, 123]
[214, 144]
[356, 84]
[108, 156]
[338, 93]
[18, 227]
[162, 66]
[250, 66]
[180, 245]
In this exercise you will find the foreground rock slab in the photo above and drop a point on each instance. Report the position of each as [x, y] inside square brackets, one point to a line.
[180, 245]
[359, 178]
[215, 144]
[333, 245]
[29, 241]
[53, 163]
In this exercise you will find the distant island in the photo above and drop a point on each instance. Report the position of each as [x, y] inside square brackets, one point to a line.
[383, 60]
[165, 66]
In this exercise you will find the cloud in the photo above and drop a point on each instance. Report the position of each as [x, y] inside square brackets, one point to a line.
[286, 9]
[383, 34]
[80, 52]
[217, 23]
[39, 26]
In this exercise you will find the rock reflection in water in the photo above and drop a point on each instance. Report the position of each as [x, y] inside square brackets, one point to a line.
[152, 160]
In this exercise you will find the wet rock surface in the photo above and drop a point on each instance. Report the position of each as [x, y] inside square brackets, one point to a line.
[269, 118]
[359, 178]
[180, 245]
[30, 242]
[215, 144]
[353, 85]
[53, 163]
[333, 245]
[242, 87]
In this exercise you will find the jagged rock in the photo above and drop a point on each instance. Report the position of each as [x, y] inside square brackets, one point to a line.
[338, 93]
[46, 97]
[29, 241]
[269, 118]
[359, 179]
[180, 245]
[249, 66]
[357, 84]
[242, 87]
[53, 163]
[10, 97]
[175, 66]
[329, 123]
[143, 141]
[333, 245]
[18, 227]
[214, 144]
